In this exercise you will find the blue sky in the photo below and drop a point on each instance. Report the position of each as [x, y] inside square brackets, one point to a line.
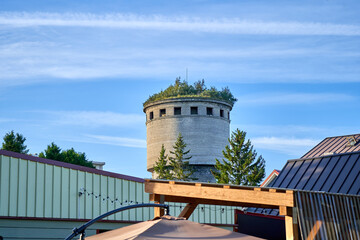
[77, 72]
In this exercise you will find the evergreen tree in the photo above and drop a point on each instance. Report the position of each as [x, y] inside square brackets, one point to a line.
[161, 167]
[14, 142]
[180, 168]
[70, 156]
[53, 152]
[241, 165]
[78, 158]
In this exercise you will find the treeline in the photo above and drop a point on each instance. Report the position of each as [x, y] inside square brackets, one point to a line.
[15, 142]
[198, 89]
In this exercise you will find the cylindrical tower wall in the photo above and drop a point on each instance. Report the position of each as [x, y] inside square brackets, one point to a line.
[203, 123]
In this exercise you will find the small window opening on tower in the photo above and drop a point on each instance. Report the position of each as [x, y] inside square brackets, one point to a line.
[177, 110]
[151, 115]
[351, 141]
[209, 111]
[162, 112]
[194, 110]
[228, 115]
[221, 113]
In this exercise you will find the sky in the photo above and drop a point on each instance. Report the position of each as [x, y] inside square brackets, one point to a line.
[77, 73]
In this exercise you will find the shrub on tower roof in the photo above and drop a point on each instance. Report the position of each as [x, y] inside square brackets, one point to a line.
[198, 89]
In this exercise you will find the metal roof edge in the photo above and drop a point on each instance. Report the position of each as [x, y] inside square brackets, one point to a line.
[69, 165]
[348, 135]
[333, 155]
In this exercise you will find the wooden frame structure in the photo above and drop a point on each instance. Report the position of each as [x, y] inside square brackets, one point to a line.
[226, 195]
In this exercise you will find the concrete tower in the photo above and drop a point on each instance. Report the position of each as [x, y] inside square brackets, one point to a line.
[203, 122]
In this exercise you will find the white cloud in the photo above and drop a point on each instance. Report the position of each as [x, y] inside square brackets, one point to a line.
[111, 140]
[293, 98]
[292, 146]
[122, 21]
[283, 130]
[96, 119]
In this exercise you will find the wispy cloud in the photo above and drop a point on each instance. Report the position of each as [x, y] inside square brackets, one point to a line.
[111, 140]
[285, 130]
[132, 21]
[94, 118]
[291, 146]
[294, 98]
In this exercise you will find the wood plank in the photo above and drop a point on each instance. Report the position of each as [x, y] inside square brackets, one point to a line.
[222, 194]
[188, 210]
[291, 228]
[158, 212]
[213, 202]
[285, 211]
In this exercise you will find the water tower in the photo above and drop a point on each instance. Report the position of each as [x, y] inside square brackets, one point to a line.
[203, 122]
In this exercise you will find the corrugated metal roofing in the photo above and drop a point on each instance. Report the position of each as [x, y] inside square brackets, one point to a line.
[335, 174]
[335, 145]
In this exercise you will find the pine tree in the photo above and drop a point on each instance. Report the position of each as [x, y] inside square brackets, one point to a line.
[179, 163]
[53, 152]
[161, 167]
[240, 165]
[14, 142]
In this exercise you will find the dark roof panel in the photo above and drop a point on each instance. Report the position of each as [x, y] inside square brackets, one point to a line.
[336, 173]
[303, 169]
[313, 179]
[351, 177]
[292, 173]
[327, 166]
[355, 188]
[283, 174]
[310, 171]
[344, 173]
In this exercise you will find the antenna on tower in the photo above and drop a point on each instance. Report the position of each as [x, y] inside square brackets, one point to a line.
[186, 74]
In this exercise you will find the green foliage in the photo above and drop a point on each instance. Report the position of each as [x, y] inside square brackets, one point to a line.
[70, 156]
[14, 142]
[183, 89]
[179, 164]
[241, 165]
[52, 152]
[161, 167]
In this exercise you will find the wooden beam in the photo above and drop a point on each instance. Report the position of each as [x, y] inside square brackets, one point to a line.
[177, 199]
[285, 211]
[159, 199]
[219, 194]
[188, 210]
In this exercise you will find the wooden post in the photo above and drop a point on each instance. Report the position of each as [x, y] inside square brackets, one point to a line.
[188, 210]
[159, 199]
[291, 222]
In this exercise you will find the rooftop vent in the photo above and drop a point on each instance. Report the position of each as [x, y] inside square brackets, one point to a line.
[351, 141]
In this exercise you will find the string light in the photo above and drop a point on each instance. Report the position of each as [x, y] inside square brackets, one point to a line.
[203, 208]
[84, 192]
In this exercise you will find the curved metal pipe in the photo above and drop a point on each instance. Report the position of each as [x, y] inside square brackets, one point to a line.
[81, 230]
